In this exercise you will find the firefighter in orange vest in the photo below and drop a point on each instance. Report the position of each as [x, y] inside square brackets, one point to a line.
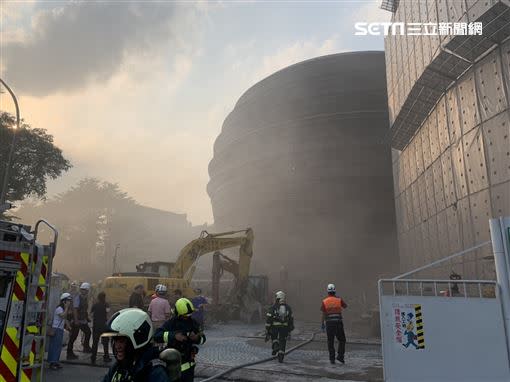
[332, 322]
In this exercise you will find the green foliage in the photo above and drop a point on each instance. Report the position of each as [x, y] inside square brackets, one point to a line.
[36, 159]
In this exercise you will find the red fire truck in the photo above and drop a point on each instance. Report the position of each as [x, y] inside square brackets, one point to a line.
[25, 272]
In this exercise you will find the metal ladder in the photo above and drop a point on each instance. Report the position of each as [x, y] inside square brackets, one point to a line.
[33, 335]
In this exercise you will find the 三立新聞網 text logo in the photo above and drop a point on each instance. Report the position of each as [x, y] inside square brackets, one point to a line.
[418, 29]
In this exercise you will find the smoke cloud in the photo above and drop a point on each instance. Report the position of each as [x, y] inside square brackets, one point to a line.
[73, 45]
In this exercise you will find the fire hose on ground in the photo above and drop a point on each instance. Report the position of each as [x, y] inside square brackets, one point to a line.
[234, 368]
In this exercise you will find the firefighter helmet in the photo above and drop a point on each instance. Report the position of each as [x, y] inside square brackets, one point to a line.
[280, 295]
[331, 288]
[183, 306]
[132, 323]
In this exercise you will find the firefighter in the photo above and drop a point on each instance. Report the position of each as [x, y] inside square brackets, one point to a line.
[182, 333]
[279, 324]
[332, 322]
[136, 298]
[137, 360]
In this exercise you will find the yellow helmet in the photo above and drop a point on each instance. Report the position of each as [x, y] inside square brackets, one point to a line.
[183, 306]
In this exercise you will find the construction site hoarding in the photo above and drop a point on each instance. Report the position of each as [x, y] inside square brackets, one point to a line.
[431, 331]
[451, 157]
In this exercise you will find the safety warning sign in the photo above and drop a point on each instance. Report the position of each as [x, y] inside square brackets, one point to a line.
[408, 326]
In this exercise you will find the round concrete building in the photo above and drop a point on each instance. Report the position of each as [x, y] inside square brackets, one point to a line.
[304, 159]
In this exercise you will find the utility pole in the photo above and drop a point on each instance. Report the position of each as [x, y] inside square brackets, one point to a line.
[3, 205]
[114, 268]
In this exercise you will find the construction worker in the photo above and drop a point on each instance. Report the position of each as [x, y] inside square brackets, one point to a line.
[332, 322]
[199, 302]
[80, 321]
[279, 324]
[182, 333]
[136, 359]
[99, 312]
[159, 308]
[136, 298]
[177, 294]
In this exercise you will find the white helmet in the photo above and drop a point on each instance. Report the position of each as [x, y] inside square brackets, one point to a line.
[65, 296]
[85, 286]
[160, 288]
[280, 295]
[331, 288]
[132, 323]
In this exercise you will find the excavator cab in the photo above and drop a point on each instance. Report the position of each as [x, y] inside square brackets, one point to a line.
[161, 268]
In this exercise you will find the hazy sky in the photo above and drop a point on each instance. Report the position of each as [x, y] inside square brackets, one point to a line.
[136, 92]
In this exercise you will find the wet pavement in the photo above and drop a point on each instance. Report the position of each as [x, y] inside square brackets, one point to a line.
[235, 344]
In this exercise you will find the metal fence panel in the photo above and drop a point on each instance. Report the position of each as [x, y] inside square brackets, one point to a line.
[418, 339]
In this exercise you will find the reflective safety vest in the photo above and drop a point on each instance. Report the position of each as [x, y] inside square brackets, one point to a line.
[121, 376]
[332, 307]
[187, 365]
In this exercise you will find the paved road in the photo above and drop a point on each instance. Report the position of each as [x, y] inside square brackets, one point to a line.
[75, 373]
[234, 344]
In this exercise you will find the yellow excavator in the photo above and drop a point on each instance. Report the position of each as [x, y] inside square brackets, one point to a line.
[248, 295]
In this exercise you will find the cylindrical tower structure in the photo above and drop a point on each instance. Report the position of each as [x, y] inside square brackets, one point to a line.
[303, 159]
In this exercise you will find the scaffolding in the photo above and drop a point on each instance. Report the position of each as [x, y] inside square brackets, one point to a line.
[390, 5]
[454, 58]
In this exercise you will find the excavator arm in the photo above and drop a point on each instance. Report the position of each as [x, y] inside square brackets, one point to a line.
[207, 243]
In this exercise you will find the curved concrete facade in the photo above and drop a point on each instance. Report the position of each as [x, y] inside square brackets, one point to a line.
[303, 160]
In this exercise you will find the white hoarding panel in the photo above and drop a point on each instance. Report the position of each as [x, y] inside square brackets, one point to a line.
[434, 338]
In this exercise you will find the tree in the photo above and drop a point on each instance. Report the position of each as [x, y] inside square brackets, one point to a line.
[35, 160]
[88, 216]
[94, 216]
